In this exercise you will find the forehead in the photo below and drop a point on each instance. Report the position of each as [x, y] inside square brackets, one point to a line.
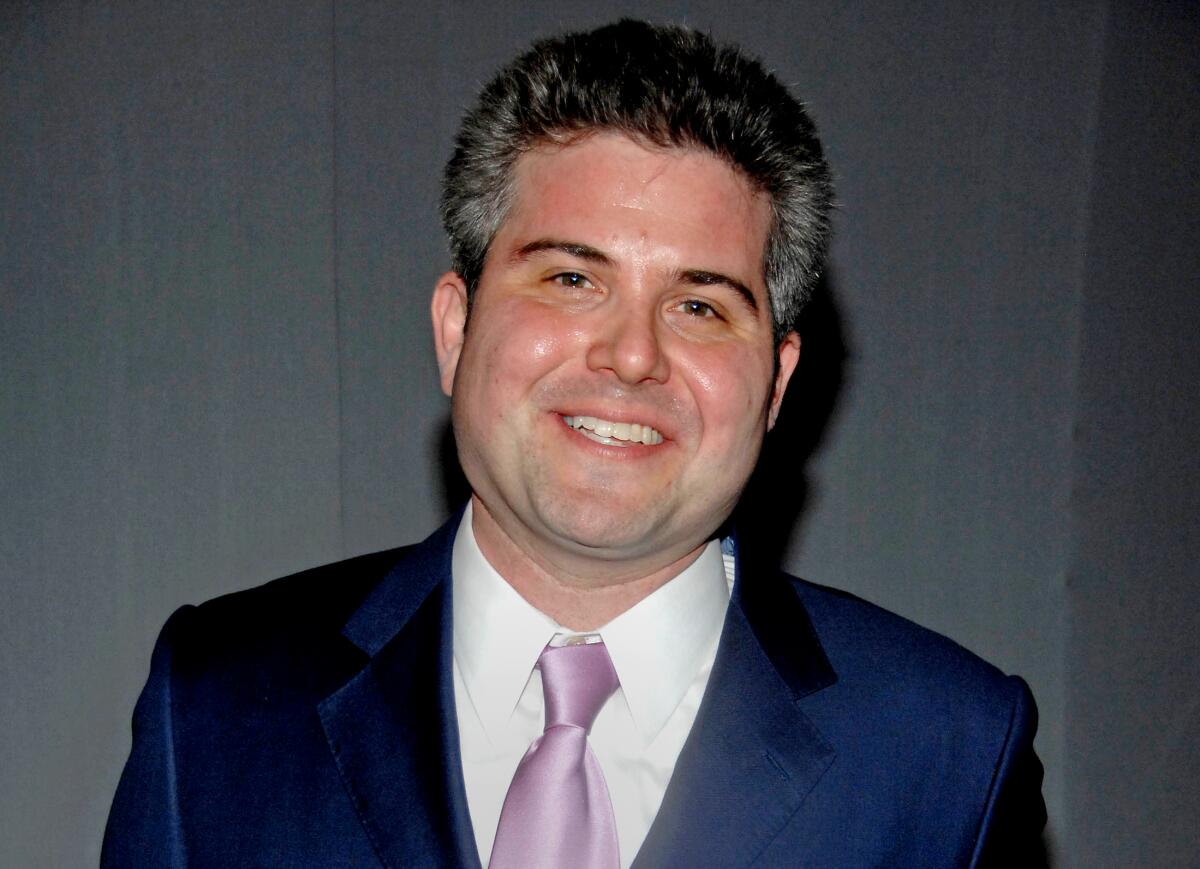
[611, 192]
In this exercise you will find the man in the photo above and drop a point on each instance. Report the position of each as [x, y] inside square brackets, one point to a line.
[583, 668]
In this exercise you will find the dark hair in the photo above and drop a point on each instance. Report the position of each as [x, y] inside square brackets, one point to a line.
[666, 85]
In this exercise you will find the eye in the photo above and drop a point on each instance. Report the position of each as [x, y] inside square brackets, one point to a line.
[572, 280]
[698, 308]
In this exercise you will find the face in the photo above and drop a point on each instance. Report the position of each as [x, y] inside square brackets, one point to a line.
[612, 389]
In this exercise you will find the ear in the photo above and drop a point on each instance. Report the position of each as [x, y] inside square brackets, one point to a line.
[789, 355]
[449, 311]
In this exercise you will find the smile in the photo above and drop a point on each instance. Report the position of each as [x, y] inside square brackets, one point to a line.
[619, 434]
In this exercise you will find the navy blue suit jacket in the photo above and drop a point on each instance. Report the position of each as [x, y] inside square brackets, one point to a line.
[310, 722]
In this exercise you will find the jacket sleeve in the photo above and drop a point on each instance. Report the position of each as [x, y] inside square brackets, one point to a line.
[144, 826]
[1010, 832]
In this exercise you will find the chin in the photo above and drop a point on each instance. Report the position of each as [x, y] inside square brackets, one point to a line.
[618, 529]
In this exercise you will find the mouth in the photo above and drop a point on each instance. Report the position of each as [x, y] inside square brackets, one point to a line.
[614, 434]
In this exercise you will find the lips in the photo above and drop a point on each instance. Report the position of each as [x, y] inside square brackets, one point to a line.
[611, 433]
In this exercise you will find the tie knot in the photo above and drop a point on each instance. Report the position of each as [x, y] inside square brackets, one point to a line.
[576, 680]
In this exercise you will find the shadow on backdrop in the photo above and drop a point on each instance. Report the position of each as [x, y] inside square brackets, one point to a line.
[769, 513]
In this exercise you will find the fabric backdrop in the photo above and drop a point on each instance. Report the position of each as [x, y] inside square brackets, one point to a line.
[217, 238]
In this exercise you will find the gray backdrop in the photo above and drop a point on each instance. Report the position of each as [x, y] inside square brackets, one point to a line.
[218, 236]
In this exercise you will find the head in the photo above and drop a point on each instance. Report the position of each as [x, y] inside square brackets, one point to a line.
[666, 86]
[636, 217]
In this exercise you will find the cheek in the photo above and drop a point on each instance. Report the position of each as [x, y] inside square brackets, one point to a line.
[522, 346]
[730, 387]
[543, 347]
[537, 340]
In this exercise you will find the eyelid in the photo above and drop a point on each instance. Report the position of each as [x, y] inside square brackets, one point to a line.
[716, 311]
[585, 280]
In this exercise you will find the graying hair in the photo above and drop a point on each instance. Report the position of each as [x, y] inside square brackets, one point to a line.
[668, 86]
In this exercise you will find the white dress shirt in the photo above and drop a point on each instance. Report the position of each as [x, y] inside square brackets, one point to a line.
[662, 649]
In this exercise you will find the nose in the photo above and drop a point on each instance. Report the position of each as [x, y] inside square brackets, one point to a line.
[628, 344]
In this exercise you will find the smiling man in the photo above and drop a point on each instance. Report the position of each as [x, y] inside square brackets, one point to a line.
[582, 667]
[624, 288]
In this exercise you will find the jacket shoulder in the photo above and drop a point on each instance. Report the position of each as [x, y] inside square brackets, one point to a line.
[227, 731]
[285, 629]
[952, 730]
[316, 596]
[922, 672]
[311, 600]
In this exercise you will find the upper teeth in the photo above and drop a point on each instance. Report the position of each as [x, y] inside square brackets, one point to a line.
[608, 431]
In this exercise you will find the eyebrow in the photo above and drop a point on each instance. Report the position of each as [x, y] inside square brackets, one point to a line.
[711, 279]
[697, 277]
[579, 251]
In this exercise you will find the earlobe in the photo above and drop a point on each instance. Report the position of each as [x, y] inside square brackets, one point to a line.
[448, 310]
[788, 356]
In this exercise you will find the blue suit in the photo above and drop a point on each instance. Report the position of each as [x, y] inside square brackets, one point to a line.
[310, 722]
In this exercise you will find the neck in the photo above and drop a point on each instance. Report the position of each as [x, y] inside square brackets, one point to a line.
[579, 594]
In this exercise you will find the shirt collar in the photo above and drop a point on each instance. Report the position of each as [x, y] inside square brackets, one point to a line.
[657, 646]
[498, 635]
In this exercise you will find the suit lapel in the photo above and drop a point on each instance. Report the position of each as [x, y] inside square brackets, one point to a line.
[752, 756]
[393, 729]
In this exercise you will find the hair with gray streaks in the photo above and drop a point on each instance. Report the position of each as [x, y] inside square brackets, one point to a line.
[667, 86]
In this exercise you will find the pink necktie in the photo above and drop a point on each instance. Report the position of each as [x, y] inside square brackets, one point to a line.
[557, 812]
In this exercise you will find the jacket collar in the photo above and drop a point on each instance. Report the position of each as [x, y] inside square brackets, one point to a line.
[752, 756]
[392, 728]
